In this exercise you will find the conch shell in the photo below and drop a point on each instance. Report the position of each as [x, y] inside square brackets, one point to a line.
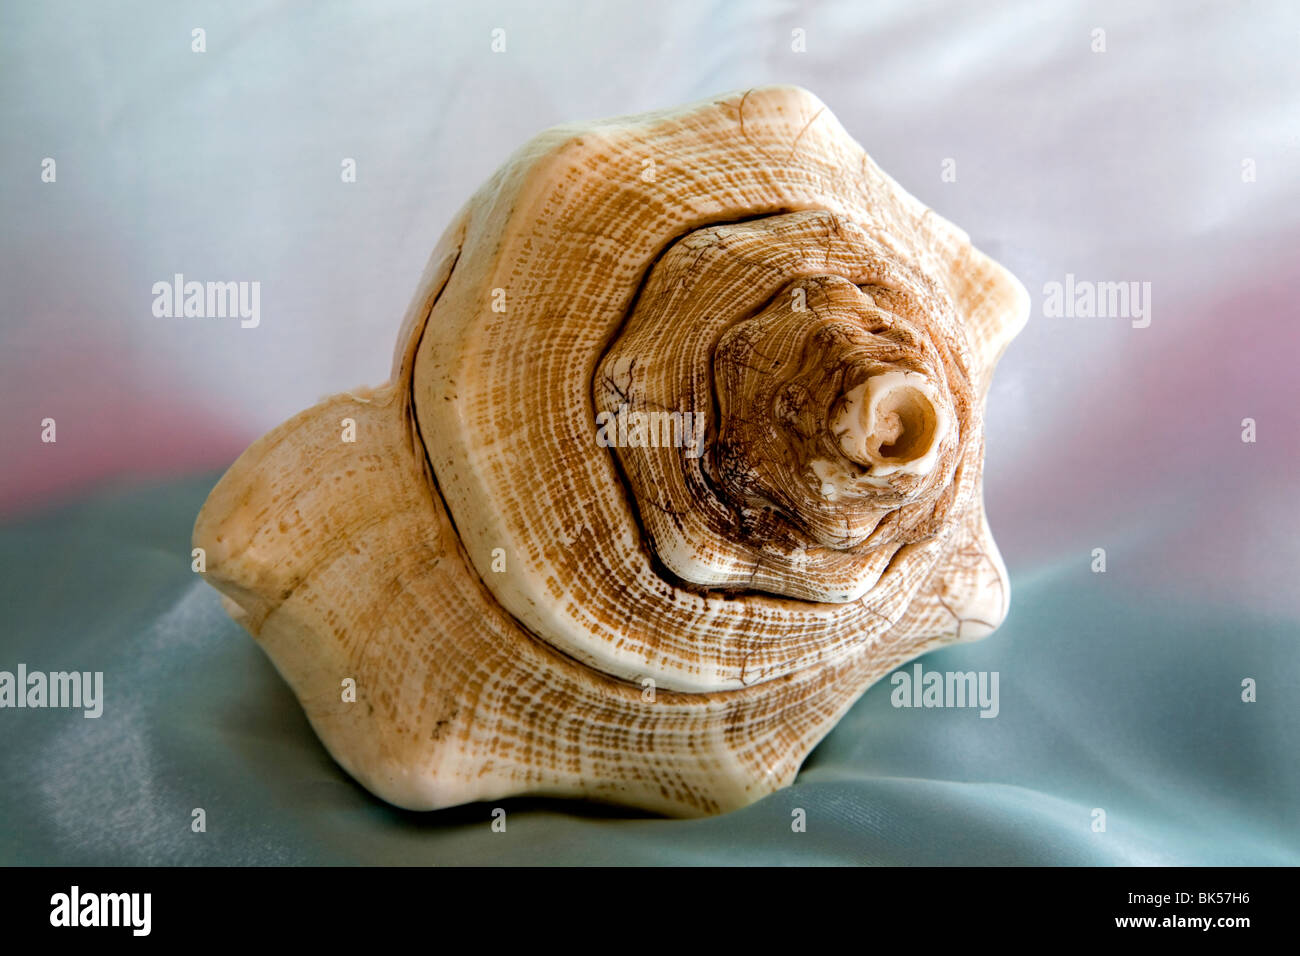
[682, 451]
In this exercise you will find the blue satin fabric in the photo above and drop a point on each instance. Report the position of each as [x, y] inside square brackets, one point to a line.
[1134, 710]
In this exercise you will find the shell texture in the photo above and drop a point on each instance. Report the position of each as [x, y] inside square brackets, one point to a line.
[682, 451]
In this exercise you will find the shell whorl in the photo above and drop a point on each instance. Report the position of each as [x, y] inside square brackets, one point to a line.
[807, 370]
[594, 262]
[674, 617]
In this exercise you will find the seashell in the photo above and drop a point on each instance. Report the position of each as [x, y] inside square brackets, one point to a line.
[681, 452]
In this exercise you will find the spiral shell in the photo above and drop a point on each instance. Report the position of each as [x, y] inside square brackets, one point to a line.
[681, 452]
